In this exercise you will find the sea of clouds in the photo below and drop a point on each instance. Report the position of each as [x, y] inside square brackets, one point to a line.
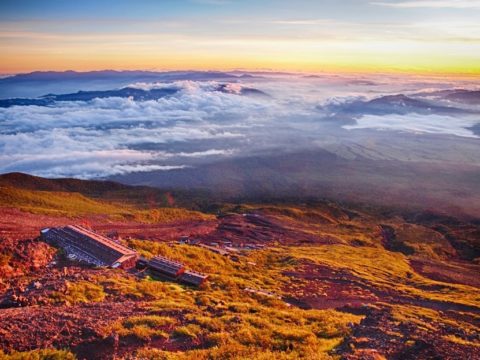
[198, 124]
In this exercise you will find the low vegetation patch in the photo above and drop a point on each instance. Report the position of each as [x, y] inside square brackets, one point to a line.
[80, 292]
[387, 270]
[222, 319]
[44, 354]
[169, 214]
[143, 327]
[190, 331]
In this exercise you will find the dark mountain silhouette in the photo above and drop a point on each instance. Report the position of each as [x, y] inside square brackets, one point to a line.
[127, 92]
[136, 94]
[243, 91]
[471, 97]
[392, 104]
[5, 103]
[38, 83]
[476, 129]
[112, 74]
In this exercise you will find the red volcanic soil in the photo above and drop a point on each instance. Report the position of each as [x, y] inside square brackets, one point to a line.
[380, 333]
[320, 287]
[22, 225]
[258, 228]
[26, 309]
[453, 272]
[63, 326]
[157, 232]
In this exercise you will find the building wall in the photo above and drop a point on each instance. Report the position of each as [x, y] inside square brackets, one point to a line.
[129, 263]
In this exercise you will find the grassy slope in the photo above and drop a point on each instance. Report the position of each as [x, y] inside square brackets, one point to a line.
[388, 271]
[140, 196]
[236, 325]
[230, 322]
[55, 202]
[74, 204]
[222, 317]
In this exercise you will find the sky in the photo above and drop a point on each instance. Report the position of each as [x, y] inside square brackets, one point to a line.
[422, 36]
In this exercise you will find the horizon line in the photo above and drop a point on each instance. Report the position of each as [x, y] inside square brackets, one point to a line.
[473, 74]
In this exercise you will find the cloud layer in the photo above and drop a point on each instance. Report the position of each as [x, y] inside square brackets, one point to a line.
[198, 124]
[105, 136]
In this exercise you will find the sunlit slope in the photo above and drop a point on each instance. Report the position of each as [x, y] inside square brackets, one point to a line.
[75, 198]
[140, 196]
[333, 280]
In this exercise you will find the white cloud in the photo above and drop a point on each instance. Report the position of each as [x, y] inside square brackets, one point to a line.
[454, 4]
[113, 136]
[121, 169]
[211, 152]
[107, 136]
[416, 123]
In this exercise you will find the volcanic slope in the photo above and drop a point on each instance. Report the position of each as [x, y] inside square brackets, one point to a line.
[317, 281]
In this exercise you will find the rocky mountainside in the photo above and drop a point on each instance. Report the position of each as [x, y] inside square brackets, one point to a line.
[289, 280]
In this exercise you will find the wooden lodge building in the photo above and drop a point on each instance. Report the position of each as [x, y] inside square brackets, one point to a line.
[166, 267]
[85, 245]
[173, 270]
[194, 278]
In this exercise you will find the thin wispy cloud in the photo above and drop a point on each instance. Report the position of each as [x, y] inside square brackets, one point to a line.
[303, 22]
[454, 4]
[212, 2]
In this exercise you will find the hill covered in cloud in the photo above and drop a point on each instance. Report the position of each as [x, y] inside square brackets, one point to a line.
[179, 129]
[39, 83]
[153, 92]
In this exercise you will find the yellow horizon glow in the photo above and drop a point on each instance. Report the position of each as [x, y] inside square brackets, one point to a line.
[354, 63]
[308, 36]
[204, 63]
[26, 52]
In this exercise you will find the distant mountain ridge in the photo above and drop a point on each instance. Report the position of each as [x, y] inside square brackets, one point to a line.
[38, 83]
[471, 97]
[392, 104]
[106, 74]
[134, 93]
